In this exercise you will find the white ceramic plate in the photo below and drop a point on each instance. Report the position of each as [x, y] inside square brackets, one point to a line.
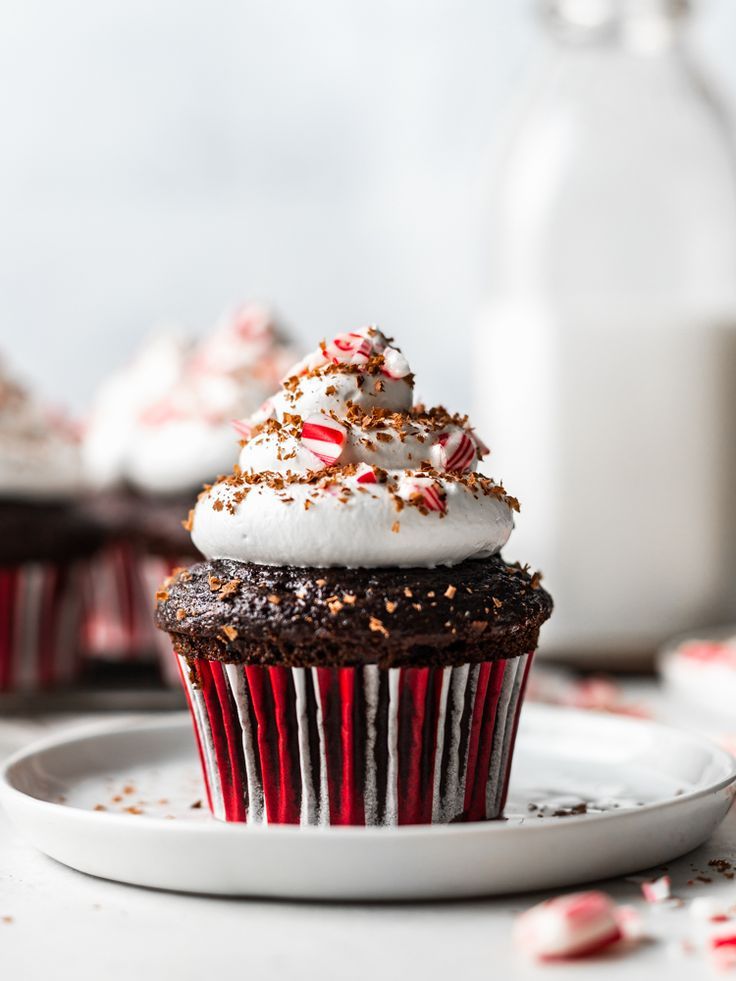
[651, 794]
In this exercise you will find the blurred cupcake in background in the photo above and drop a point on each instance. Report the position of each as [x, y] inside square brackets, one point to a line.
[46, 538]
[158, 429]
[117, 624]
[699, 674]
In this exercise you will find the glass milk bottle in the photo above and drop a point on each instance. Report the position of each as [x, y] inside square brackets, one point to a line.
[606, 358]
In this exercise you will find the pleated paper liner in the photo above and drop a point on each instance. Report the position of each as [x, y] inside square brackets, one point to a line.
[120, 589]
[40, 623]
[355, 746]
[118, 622]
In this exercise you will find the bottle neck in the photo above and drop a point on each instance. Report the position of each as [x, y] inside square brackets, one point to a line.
[644, 25]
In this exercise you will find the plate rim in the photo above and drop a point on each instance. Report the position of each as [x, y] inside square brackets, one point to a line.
[88, 730]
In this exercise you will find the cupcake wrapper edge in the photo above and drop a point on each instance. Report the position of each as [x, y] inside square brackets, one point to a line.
[40, 618]
[355, 746]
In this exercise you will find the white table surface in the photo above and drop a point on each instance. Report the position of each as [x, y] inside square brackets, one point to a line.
[57, 923]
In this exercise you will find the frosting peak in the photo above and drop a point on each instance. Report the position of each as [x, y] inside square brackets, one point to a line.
[339, 468]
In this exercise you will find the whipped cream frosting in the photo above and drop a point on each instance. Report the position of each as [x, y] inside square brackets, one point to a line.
[339, 468]
[163, 424]
[39, 451]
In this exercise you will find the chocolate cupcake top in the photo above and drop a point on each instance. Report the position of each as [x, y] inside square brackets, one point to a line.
[339, 468]
[245, 613]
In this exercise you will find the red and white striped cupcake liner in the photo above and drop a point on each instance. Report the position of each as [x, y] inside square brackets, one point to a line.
[40, 622]
[118, 623]
[120, 588]
[356, 746]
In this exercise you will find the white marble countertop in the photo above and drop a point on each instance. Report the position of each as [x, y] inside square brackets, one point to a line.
[55, 922]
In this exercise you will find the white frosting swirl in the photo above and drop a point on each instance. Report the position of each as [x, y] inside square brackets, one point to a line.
[164, 423]
[111, 437]
[337, 469]
[39, 451]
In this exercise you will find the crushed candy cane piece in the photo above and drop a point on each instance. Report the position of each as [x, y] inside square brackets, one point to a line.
[454, 451]
[395, 364]
[365, 474]
[423, 491]
[245, 427]
[658, 890]
[352, 348]
[324, 437]
[576, 925]
[723, 951]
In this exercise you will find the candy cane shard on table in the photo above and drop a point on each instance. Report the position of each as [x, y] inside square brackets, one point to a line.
[576, 925]
[658, 890]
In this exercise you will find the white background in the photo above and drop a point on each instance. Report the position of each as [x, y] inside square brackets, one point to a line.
[162, 159]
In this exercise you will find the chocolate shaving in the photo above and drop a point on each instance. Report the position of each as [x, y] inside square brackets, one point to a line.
[377, 625]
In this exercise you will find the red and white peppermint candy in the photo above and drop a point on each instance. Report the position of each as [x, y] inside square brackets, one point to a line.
[431, 494]
[395, 364]
[324, 437]
[454, 451]
[365, 474]
[658, 890]
[568, 926]
[352, 348]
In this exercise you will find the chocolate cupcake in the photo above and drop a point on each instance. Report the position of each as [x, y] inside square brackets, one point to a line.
[354, 650]
[46, 540]
[160, 428]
